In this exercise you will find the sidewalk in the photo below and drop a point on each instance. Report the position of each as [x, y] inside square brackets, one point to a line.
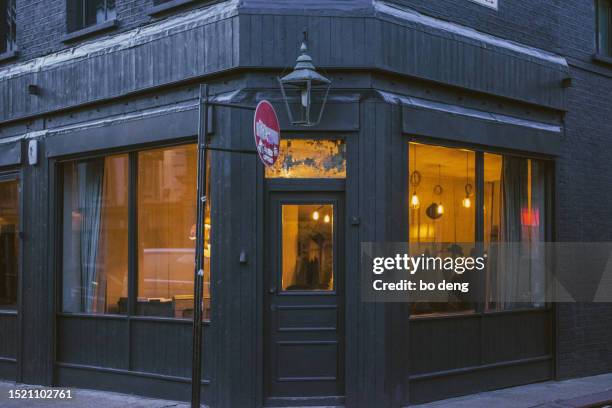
[82, 399]
[584, 392]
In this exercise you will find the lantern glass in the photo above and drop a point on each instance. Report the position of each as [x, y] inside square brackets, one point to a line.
[302, 88]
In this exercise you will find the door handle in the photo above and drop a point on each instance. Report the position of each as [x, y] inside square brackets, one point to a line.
[272, 290]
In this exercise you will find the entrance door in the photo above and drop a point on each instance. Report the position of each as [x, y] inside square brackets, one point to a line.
[304, 328]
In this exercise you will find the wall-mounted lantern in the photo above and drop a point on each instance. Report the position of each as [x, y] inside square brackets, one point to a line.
[304, 84]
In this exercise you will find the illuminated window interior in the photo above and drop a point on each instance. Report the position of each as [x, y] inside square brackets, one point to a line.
[309, 158]
[442, 210]
[96, 231]
[9, 242]
[308, 247]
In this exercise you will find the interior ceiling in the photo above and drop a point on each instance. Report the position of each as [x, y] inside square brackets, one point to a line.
[452, 162]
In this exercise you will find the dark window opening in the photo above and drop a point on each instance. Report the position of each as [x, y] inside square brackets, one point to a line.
[86, 13]
[604, 27]
[7, 26]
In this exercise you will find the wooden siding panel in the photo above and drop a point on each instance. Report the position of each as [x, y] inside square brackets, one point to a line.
[8, 336]
[99, 342]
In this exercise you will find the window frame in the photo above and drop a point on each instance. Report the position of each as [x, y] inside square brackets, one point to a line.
[132, 274]
[598, 29]
[9, 30]
[479, 225]
[77, 24]
[16, 175]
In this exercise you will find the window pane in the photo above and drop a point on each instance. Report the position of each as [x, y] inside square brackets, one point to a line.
[442, 211]
[308, 247]
[514, 212]
[166, 231]
[85, 13]
[9, 242]
[7, 25]
[95, 230]
[301, 158]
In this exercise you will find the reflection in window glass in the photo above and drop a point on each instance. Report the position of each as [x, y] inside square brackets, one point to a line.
[302, 158]
[514, 211]
[95, 228]
[308, 247]
[166, 231]
[9, 242]
[442, 211]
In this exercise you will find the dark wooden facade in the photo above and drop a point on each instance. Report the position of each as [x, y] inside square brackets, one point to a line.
[396, 75]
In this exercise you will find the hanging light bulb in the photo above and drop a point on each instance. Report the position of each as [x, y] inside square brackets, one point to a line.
[326, 219]
[440, 209]
[415, 203]
[415, 180]
[467, 203]
[315, 215]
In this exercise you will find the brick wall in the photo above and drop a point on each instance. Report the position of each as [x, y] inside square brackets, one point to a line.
[42, 23]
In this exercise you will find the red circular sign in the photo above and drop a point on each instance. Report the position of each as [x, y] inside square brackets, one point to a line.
[267, 133]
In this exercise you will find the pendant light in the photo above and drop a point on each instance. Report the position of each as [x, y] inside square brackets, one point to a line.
[315, 215]
[415, 180]
[327, 218]
[467, 202]
[438, 208]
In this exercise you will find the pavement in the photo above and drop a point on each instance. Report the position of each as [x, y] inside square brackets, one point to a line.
[587, 392]
[82, 399]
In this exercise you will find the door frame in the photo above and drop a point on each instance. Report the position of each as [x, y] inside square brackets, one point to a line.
[290, 186]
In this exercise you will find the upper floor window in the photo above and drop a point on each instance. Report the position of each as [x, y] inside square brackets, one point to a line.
[85, 13]
[7, 26]
[604, 27]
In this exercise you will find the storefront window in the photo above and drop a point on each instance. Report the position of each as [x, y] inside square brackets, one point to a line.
[97, 224]
[514, 212]
[9, 241]
[442, 216]
[309, 158]
[442, 211]
[166, 231]
[95, 230]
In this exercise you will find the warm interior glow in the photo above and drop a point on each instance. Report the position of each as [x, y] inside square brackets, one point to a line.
[442, 218]
[315, 215]
[307, 247]
[9, 242]
[166, 209]
[467, 203]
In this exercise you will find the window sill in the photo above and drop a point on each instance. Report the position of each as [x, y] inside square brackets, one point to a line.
[87, 31]
[9, 55]
[602, 58]
[169, 5]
